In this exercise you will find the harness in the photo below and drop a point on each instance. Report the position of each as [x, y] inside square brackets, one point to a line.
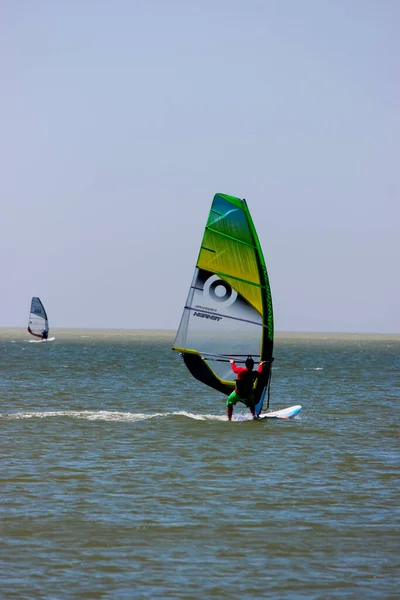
[244, 386]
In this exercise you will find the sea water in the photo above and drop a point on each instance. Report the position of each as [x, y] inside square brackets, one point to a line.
[122, 478]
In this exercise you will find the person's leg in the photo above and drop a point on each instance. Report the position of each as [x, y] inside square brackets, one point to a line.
[233, 398]
[250, 405]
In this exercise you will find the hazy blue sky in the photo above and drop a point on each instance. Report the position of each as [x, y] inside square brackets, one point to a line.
[120, 120]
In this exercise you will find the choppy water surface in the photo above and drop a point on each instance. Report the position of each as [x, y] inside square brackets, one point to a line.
[122, 478]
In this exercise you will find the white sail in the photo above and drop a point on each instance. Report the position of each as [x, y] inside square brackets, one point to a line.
[38, 322]
[218, 322]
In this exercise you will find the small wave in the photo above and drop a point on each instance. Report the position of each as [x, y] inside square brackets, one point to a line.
[106, 415]
[197, 417]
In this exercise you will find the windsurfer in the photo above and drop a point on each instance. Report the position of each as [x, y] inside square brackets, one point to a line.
[45, 334]
[244, 386]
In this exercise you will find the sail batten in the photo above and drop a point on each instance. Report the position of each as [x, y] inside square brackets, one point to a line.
[224, 275]
[228, 312]
[230, 237]
[206, 311]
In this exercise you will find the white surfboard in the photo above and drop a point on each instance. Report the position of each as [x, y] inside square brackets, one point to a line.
[41, 341]
[285, 413]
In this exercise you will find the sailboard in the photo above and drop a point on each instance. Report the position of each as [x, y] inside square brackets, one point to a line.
[228, 313]
[285, 413]
[38, 325]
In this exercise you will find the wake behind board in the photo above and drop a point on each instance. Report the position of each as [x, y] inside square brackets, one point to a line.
[41, 341]
[285, 413]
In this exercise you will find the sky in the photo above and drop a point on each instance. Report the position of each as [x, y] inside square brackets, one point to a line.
[121, 120]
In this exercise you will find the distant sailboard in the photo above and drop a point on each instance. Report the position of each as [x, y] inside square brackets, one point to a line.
[38, 325]
[228, 313]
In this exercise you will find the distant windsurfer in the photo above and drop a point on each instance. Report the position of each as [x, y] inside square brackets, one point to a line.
[45, 334]
[244, 386]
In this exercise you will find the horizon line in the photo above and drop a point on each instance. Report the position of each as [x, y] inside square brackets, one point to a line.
[173, 331]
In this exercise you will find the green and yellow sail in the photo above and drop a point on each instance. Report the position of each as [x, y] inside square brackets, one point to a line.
[228, 313]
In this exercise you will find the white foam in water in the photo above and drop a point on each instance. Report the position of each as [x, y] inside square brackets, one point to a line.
[106, 415]
[208, 417]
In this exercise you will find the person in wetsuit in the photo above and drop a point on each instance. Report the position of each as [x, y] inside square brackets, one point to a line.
[243, 386]
[45, 334]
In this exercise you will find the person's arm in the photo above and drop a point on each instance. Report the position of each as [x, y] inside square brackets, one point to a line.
[260, 366]
[236, 369]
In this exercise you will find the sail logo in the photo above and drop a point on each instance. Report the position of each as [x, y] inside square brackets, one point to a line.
[206, 316]
[219, 291]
